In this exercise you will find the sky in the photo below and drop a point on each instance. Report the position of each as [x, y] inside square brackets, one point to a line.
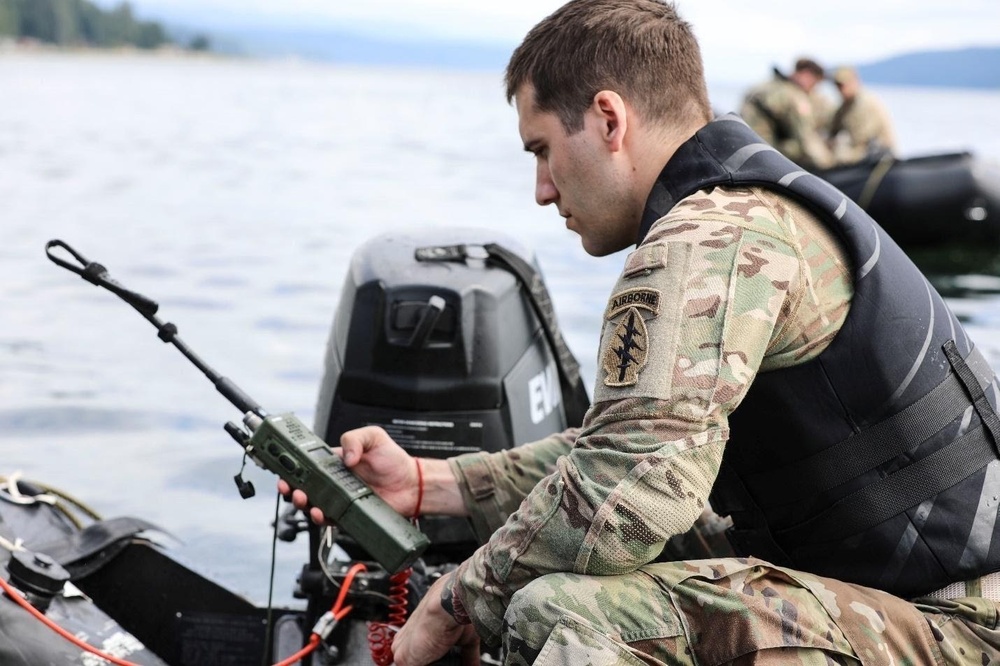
[740, 40]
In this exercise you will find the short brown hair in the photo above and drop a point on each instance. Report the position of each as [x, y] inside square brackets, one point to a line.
[640, 48]
[810, 65]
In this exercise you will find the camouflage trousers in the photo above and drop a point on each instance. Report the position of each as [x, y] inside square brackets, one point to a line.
[739, 611]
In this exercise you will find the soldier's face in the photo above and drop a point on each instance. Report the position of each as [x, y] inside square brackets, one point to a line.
[806, 79]
[577, 173]
[848, 88]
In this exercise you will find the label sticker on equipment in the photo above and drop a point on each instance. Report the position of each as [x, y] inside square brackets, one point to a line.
[435, 437]
[216, 638]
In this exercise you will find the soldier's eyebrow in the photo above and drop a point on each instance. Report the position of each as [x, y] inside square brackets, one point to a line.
[532, 146]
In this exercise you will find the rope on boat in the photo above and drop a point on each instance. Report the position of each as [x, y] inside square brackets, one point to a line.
[67, 504]
[13, 546]
[875, 179]
[10, 492]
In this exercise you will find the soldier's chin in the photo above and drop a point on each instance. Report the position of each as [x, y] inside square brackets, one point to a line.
[600, 247]
[590, 249]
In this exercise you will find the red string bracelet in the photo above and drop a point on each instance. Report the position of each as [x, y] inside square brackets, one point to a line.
[420, 487]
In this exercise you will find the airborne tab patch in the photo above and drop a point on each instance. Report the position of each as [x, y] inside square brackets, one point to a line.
[639, 297]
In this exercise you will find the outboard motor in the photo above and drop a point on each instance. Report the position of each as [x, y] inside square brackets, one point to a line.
[446, 338]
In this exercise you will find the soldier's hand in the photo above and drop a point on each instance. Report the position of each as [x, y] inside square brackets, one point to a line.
[430, 633]
[377, 460]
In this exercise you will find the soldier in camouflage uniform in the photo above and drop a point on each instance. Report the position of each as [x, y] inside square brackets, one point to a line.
[860, 127]
[588, 554]
[791, 114]
[823, 109]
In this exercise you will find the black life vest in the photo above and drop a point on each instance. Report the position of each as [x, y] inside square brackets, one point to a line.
[876, 462]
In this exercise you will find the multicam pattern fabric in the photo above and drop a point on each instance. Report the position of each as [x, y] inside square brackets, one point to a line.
[737, 611]
[861, 128]
[823, 109]
[747, 282]
[783, 114]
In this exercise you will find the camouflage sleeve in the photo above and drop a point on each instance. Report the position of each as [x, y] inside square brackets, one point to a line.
[755, 113]
[685, 331]
[801, 140]
[823, 109]
[866, 128]
[494, 484]
[814, 153]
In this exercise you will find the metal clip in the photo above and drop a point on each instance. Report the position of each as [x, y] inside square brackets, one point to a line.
[325, 625]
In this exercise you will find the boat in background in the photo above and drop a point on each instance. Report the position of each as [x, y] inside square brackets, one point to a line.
[933, 202]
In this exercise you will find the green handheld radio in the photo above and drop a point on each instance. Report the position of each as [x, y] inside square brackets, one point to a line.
[283, 445]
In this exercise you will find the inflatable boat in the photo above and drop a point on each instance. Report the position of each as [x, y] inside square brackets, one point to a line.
[928, 202]
[446, 338]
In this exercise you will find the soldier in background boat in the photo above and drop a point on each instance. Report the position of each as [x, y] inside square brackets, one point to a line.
[861, 128]
[791, 114]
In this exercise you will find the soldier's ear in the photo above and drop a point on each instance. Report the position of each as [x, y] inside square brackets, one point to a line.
[612, 116]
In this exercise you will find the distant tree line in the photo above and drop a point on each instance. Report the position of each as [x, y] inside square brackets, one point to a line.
[80, 22]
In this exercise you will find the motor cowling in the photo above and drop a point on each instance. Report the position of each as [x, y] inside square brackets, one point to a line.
[449, 356]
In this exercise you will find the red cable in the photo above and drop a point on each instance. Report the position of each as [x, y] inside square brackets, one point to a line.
[346, 585]
[314, 640]
[380, 634]
[312, 645]
[338, 614]
[23, 603]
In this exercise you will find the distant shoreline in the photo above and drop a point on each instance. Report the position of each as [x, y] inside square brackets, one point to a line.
[32, 47]
[961, 69]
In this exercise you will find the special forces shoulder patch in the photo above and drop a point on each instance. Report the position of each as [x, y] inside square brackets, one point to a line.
[626, 350]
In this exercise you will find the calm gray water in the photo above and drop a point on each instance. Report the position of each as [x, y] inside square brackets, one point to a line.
[233, 193]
